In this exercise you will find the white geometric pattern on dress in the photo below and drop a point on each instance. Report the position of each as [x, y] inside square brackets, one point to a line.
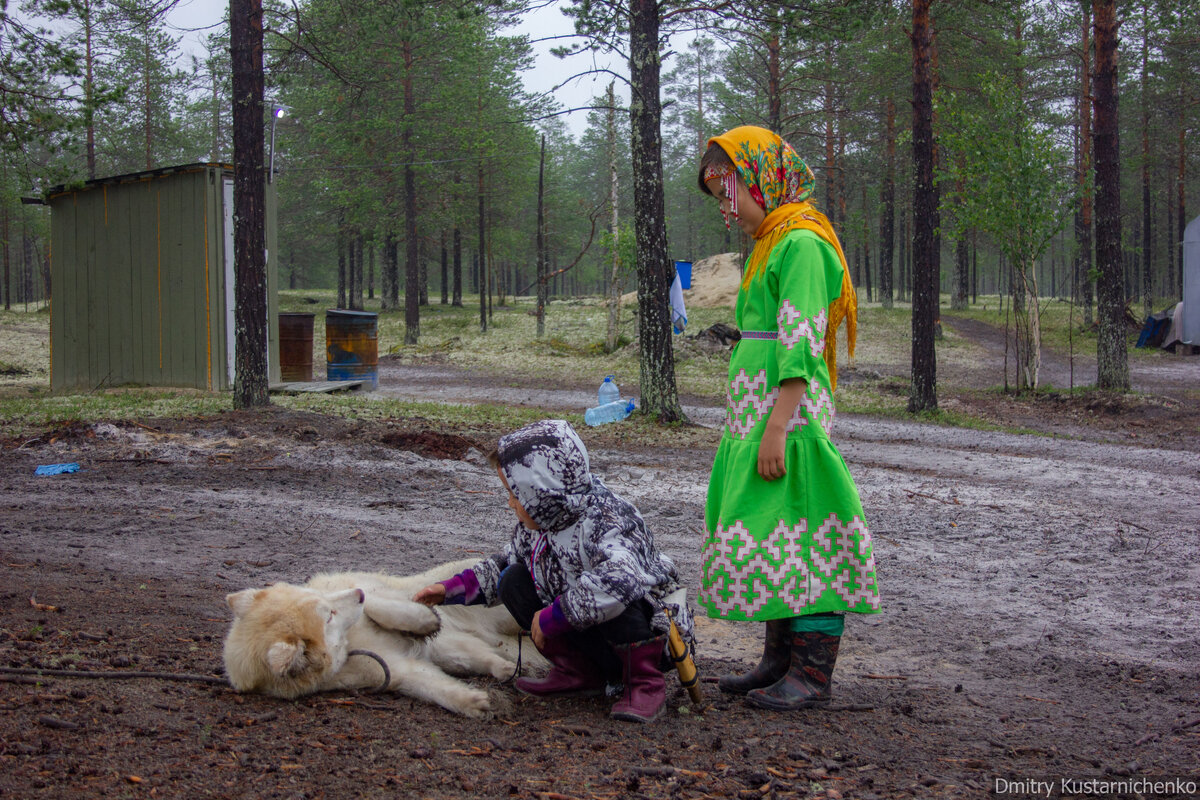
[853, 546]
[757, 406]
[753, 577]
[812, 330]
[819, 405]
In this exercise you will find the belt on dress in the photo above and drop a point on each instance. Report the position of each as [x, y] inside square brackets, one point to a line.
[760, 334]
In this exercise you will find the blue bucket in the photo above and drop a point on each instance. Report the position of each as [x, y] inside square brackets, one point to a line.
[684, 268]
[352, 346]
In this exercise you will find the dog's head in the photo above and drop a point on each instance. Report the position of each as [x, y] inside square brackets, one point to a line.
[285, 640]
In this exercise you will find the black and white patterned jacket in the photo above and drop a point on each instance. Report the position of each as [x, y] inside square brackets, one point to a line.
[593, 553]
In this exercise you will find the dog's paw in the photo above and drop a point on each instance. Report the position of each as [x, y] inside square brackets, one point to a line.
[503, 669]
[427, 623]
[475, 703]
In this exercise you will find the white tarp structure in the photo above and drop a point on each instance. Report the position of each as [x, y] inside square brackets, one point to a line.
[1191, 283]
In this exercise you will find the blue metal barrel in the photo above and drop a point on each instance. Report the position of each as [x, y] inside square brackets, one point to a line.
[352, 346]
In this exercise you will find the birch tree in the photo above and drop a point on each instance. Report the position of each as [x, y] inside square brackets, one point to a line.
[1009, 178]
[642, 21]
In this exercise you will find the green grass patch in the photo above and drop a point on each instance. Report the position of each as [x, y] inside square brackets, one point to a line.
[24, 413]
[570, 353]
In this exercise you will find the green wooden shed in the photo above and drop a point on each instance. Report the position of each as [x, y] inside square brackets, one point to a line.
[142, 279]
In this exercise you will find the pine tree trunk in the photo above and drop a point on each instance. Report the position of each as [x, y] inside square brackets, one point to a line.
[89, 91]
[7, 262]
[962, 275]
[887, 233]
[249, 192]
[148, 119]
[1181, 189]
[423, 277]
[456, 296]
[360, 268]
[391, 262]
[540, 238]
[923, 389]
[394, 267]
[1147, 209]
[614, 284]
[840, 172]
[412, 290]
[659, 395]
[866, 233]
[827, 112]
[445, 272]
[1083, 217]
[1112, 357]
[341, 262]
[774, 98]
[974, 269]
[353, 287]
[481, 265]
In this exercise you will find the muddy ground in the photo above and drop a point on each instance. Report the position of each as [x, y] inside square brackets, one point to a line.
[1041, 611]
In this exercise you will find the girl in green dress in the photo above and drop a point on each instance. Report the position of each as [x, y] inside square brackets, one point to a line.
[786, 540]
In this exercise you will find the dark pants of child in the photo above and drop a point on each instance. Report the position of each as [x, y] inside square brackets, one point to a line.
[519, 596]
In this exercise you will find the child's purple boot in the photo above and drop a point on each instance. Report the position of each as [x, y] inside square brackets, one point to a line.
[571, 673]
[645, 690]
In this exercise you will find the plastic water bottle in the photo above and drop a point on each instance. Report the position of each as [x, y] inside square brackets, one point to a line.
[608, 392]
[615, 411]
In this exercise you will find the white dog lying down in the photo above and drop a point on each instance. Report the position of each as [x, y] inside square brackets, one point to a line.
[290, 640]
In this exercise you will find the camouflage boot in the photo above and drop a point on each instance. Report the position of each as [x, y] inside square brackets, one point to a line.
[807, 683]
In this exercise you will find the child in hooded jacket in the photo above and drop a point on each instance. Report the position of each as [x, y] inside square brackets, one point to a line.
[580, 572]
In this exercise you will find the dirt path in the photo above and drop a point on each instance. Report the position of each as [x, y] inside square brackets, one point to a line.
[1164, 375]
[1041, 618]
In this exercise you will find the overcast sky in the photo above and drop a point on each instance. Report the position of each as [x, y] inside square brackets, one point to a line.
[192, 17]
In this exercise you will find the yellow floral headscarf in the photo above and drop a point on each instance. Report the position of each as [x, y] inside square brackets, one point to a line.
[781, 183]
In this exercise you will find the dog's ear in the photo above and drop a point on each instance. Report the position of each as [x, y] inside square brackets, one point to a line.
[286, 658]
[239, 602]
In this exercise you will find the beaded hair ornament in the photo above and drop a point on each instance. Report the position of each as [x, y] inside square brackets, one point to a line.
[728, 177]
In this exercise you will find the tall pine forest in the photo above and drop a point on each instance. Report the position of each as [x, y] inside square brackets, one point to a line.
[408, 157]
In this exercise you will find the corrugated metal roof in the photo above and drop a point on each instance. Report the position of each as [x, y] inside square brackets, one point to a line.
[138, 176]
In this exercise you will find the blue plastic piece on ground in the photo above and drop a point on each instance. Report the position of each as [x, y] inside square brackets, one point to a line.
[56, 469]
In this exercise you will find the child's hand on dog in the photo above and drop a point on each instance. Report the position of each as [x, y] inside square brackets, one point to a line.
[432, 595]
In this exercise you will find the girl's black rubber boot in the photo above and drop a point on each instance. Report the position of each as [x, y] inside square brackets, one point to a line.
[776, 659]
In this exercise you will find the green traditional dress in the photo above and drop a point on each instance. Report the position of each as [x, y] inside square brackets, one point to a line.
[797, 545]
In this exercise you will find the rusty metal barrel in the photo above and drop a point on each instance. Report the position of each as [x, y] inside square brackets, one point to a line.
[352, 346]
[295, 346]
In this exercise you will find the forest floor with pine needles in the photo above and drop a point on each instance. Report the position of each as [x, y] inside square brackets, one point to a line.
[1038, 580]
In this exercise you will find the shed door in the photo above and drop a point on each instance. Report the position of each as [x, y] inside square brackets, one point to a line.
[230, 337]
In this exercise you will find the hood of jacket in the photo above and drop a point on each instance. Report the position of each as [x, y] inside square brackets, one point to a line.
[546, 466]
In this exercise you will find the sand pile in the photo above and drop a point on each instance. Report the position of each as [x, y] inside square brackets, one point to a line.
[715, 282]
